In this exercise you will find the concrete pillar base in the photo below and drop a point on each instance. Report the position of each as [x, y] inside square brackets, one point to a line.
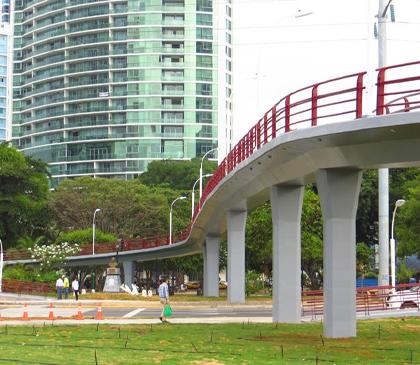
[211, 266]
[128, 272]
[236, 220]
[339, 191]
[286, 207]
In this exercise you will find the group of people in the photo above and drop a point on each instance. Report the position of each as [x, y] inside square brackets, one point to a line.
[63, 286]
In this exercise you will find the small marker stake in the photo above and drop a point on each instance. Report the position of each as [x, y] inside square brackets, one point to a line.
[322, 339]
[282, 351]
[125, 346]
[97, 327]
[119, 332]
[260, 335]
[411, 356]
[151, 327]
[96, 358]
[211, 337]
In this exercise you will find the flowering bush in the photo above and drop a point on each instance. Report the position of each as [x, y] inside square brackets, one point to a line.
[53, 255]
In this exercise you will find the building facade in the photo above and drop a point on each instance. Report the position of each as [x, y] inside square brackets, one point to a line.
[6, 70]
[104, 87]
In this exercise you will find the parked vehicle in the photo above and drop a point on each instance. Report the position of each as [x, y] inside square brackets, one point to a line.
[402, 299]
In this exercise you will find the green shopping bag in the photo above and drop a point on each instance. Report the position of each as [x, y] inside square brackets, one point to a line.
[167, 312]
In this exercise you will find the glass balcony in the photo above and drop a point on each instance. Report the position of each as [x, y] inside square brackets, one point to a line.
[172, 106]
[173, 21]
[171, 35]
[173, 92]
[83, 41]
[79, 2]
[88, 13]
[172, 77]
[173, 8]
[84, 68]
[47, 74]
[50, 34]
[88, 26]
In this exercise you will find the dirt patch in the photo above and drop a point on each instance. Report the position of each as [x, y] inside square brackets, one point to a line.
[208, 362]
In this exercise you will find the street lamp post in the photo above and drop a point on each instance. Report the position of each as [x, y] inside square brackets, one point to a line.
[170, 217]
[383, 173]
[93, 230]
[398, 203]
[1, 265]
[201, 170]
[193, 193]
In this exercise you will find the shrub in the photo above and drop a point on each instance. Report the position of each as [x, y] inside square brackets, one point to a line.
[84, 236]
[254, 283]
[53, 255]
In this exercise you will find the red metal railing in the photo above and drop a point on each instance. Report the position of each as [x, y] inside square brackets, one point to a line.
[317, 104]
[368, 299]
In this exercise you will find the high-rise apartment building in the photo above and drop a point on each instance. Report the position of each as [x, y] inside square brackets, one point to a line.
[104, 87]
[6, 70]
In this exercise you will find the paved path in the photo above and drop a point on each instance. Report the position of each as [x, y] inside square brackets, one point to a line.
[147, 312]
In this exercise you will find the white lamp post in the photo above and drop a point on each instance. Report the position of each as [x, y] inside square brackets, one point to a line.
[170, 217]
[201, 169]
[93, 230]
[398, 203]
[1, 265]
[193, 193]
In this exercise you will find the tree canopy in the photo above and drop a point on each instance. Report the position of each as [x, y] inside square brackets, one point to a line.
[178, 175]
[127, 207]
[23, 195]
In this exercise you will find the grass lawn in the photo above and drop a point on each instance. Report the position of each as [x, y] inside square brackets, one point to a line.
[391, 341]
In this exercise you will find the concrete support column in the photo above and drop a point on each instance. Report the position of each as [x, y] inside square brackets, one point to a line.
[339, 192]
[236, 220]
[128, 273]
[286, 207]
[211, 266]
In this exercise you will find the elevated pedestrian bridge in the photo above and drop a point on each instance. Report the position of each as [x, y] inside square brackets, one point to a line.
[322, 134]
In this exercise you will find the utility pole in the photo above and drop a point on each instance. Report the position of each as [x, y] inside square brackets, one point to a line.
[383, 174]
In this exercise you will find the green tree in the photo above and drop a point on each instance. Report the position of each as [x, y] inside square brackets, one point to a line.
[311, 235]
[258, 238]
[127, 207]
[407, 222]
[23, 196]
[178, 175]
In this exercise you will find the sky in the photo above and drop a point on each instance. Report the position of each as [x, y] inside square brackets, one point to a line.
[275, 52]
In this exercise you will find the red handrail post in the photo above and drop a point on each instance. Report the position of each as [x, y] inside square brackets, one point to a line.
[258, 134]
[359, 96]
[406, 104]
[380, 92]
[273, 122]
[287, 114]
[314, 109]
[265, 128]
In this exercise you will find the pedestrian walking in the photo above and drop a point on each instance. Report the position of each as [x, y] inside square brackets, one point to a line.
[66, 286]
[75, 287]
[59, 286]
[164, 298]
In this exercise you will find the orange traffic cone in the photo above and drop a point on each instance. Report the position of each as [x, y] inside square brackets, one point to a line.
[51, 315]
[99, 315]
[79, 312]
[25, 316]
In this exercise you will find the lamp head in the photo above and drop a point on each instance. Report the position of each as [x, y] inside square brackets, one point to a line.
[182, 197]
[97, 210]
[399, 203]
